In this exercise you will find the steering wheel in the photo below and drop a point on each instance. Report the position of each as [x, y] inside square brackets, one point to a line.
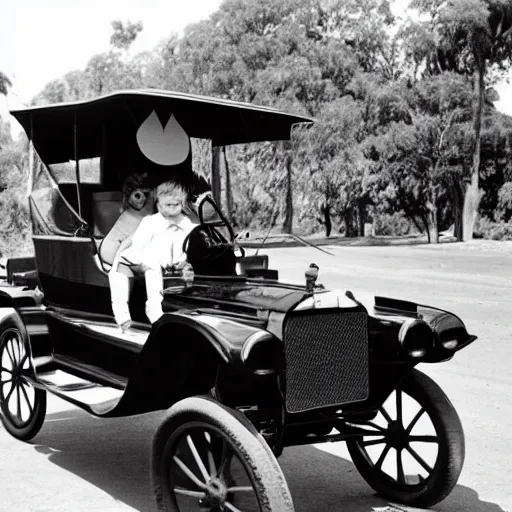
[212, 247]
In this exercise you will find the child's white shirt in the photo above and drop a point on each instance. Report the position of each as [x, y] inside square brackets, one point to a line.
[158, 241]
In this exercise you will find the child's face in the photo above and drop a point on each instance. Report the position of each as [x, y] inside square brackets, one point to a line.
[170, 205]
[138, 198]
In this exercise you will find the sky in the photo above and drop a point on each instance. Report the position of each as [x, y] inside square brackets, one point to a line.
[41, 40]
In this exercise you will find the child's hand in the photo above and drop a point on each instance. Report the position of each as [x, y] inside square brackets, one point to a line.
[181, 264]
[127, 242]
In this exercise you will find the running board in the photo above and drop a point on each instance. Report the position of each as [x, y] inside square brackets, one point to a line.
[100, 376]
[95, 398]
[132, 339]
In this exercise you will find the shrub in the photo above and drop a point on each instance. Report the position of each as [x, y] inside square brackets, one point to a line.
[392, 224]
[490, 230]
[504, 211]
[15, 237]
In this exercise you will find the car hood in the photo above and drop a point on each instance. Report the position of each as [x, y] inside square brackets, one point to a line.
[261, 298]
[225, 294]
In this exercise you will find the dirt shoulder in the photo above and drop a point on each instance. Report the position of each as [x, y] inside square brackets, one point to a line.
[446, 242]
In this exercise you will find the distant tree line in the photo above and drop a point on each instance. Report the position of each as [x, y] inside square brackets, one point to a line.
[406, 135]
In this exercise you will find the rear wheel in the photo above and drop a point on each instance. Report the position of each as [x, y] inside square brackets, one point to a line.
[414, 450]
[210, 458]
[22, 407]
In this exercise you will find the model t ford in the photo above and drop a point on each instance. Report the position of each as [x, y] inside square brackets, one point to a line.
[243, 364]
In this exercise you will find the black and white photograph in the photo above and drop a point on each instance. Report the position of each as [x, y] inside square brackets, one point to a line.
[256, 256]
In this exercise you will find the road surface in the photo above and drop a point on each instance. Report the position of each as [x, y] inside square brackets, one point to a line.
[79, 463]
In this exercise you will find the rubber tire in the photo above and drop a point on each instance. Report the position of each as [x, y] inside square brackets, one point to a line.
[451, 450]
[262, 466]
[32, 428]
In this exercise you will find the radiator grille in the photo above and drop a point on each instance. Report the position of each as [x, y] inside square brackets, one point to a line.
[326, 359]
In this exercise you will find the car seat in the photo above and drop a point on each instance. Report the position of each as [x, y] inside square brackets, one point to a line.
[106, 209]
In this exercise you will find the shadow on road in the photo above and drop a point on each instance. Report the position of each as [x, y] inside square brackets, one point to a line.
[114, 455]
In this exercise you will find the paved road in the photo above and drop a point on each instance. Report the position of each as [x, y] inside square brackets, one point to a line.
[78, 463]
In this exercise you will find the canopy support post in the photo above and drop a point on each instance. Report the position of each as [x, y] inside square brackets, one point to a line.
[31, 159]
[216, 184]
[77, 166]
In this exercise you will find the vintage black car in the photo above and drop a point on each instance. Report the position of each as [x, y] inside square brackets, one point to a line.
[243, 364]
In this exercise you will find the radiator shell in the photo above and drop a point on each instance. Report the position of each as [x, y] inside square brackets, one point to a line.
[326, 353]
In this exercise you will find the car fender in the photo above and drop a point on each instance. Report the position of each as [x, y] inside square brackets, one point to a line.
[10, 319]
[169, 369]
[395, 316]
[19, 296]
[232, 340]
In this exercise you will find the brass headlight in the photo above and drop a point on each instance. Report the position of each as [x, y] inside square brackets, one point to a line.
[416, 338]
[262, 353]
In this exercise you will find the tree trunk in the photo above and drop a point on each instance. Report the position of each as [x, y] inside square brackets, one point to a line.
[457, 204]
[412, 217]
[473, 195]
[416, 223]
[433, 226]
[348, 216]
[288, 218]
[361, 217]
[433, 229]
[228, 191]
[426, 225]
[326, 211]
[31, 168]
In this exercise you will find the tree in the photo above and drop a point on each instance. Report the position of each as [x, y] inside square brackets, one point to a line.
[417, 154]
[469, 36]
[496, 160]
[504, 211]
[56, 91]
[262, 52]
[125, 34]
[363, 27]
[76, 85]
[5, 83]
[329, 151]
[14, 225]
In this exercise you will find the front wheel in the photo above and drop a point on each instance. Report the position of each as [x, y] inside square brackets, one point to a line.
[211, 458]
[22, 407]
[414, 450]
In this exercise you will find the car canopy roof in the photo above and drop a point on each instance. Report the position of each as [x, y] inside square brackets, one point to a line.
[52, 127]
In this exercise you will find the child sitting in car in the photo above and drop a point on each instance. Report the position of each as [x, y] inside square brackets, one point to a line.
[157, 244]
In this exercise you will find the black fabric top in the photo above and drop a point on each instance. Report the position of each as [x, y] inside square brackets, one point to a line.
[225, 122]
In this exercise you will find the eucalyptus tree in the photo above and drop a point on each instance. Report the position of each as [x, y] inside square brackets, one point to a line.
[365, 27]
[14, 225]
[504, 211]
[5, 83]
[496, 161]
[125, 34]
[337, 167]
[302, 57]
[466, 36]
[265, 53]
[116, 69]
[417, 154]
[55, 91]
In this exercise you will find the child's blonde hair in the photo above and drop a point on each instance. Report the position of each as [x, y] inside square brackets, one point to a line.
[169, 188]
